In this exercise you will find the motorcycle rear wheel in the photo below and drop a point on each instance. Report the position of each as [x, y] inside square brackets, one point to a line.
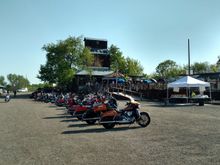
[108, 125]
[79, 117]
[90, 122]
[144, 119]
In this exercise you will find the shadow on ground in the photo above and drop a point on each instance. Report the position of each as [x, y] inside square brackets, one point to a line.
[71, 120]
[100, 130]
[58, 117]
[162, 105]
[3, 102]
[64, 117]
[81, 125]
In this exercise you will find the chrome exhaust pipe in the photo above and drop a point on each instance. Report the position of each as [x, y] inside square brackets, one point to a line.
[68, 111]
[117, 122]
[124, 122]
[95, 118]
[77, 115]
[106, 122]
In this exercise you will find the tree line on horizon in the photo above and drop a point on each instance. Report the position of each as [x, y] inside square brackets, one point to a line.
[15, 82]
[65, 57]
[170, 69]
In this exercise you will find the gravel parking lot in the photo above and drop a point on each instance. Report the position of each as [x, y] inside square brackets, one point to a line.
[41, 133]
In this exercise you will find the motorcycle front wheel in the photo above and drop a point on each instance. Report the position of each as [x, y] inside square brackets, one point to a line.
[144, 119]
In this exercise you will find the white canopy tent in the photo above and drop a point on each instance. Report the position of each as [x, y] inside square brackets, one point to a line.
[188, 82]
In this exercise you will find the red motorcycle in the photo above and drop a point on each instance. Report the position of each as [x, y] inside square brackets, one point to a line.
[79, 107]
[60, 101]
[129, 115]
[89, 103]
[92, 114]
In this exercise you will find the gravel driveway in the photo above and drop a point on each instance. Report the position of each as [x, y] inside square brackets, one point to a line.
[42, 134]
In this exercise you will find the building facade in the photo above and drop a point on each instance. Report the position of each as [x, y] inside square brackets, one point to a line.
[100, 67]
[99, 48]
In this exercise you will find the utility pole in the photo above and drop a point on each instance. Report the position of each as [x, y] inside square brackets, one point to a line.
[116, 76]
[188, 57]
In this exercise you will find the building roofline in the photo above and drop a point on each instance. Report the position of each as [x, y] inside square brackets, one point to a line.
[95, 39]
[207, 73]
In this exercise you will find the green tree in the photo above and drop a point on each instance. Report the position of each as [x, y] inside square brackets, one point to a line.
[146, 76]
[126, 66]
[118, 61]
[168, 69]
[2, 81]
[17, 81]
[154, 75]
[133, 67]
[86, 58]
[214, 68]
[218, 64]
[34, 87]
[200, 67]
[63, 60]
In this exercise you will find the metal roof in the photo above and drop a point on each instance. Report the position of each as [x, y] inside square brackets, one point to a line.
[1, 86]
[94, 73]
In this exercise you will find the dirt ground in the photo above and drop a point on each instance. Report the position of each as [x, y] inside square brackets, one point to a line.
[42, 134]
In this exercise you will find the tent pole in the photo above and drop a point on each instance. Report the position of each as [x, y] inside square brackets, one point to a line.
[187, 92]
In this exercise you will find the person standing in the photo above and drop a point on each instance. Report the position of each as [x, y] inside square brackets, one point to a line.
[15, 93]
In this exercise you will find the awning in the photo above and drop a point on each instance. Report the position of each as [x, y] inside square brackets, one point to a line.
[94, 73]
[188, 81]
[149, 81]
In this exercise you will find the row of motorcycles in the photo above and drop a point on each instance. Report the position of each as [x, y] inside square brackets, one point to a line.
[99, 108]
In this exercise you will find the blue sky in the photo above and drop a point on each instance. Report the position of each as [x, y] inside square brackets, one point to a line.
[151, 31]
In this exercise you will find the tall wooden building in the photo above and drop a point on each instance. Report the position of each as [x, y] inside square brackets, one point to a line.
[99, 48]
[101, 65]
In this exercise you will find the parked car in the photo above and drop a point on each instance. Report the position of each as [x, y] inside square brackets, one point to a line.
[23, 90]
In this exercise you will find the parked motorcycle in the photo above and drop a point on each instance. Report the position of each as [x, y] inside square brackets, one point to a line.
[70, 102]
[7, 97]
[128, 115]
[93, 114]
[90, 112]
[80, 106]
[60, 101]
